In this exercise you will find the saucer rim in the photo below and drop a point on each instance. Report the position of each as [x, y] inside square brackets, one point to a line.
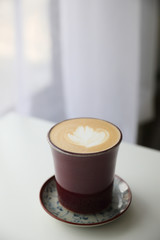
[84, 224]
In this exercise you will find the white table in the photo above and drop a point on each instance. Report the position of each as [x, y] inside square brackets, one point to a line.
[26, 163]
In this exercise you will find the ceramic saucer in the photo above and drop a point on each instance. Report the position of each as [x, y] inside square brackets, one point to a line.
[121, 200]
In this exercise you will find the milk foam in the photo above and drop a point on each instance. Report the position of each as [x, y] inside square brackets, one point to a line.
[88, 137]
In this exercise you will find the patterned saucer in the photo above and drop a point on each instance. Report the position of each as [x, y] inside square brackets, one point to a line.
[121, 200]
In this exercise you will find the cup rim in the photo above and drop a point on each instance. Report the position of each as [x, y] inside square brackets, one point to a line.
[82, 154]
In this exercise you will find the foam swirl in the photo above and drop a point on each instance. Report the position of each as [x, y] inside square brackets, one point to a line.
[88, 137]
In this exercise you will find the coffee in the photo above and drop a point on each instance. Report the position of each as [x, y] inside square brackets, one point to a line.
[84, 153]
[84, 135]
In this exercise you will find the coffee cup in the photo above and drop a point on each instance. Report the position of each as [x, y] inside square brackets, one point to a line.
[84, 153]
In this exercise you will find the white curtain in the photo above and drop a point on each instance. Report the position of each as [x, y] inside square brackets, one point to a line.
[108, 58]
[76, 58]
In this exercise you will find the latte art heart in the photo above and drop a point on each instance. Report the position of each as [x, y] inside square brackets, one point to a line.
[88, 137]
[84, 135]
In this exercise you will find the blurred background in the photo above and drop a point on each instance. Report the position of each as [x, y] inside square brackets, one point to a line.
[83, 58]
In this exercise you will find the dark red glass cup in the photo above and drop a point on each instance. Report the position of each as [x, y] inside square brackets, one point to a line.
[85, 180]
